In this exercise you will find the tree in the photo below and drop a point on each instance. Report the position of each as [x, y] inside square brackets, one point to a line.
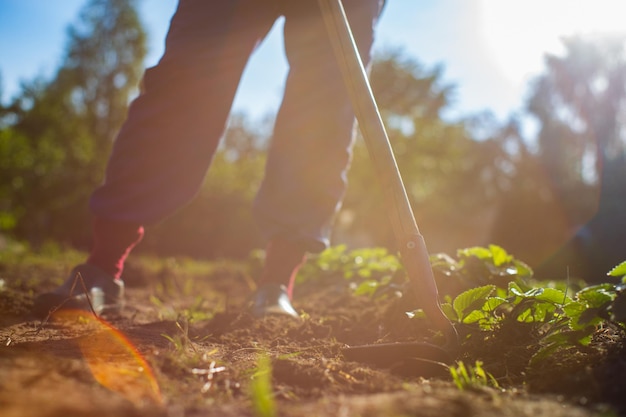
[448, 174]
[580, 103]
[528, 218]
[103, 65]
[63, 128]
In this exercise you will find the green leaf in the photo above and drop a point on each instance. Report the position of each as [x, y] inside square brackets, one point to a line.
[554, 296]
[589, 317]
[515, 289]
[500, 256]
[522, 308]
[493, 303]
[585, 340]
[597, 295]
[540, 294]
[474, 316]
[448, 310]
[542, 312]
[619, 270]
[523, 270]
[367, 287]
[575, 311]
[476, 251]
[472, 299]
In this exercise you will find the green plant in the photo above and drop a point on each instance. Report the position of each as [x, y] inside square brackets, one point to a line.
[261, 388]
[553, 318]
[375, 271]
[181, 341]
[617, 306]
[619, 271]
[469, 377]
[486, 291]
[371, 271]
[477, 266]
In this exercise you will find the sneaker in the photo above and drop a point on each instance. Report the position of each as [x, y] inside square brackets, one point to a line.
[105, 293]
[272, 299]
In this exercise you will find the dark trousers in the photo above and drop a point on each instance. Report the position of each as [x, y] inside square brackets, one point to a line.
[165, 147]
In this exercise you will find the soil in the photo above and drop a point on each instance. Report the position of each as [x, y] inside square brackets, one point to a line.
[186, 346]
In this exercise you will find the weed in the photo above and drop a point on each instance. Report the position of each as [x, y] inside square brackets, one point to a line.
[261, 393]
[164, 311]
[471, 377]
[181, 341]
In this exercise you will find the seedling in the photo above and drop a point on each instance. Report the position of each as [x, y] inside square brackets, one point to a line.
[485, 289]
[181, 340]
[471, 377]
[261, 392]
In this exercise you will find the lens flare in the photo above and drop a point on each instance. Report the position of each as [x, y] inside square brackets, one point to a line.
[114, 361]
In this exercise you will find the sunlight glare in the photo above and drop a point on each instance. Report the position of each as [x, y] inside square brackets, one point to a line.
[519, 33]
[113, 360]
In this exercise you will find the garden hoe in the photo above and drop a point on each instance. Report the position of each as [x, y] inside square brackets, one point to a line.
[414, 357]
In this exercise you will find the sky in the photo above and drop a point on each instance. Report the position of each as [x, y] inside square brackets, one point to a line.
[489, 49]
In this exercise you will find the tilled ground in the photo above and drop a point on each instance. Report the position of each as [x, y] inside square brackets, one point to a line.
[185, 346]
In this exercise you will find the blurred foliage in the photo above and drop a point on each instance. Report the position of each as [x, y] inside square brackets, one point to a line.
[447, 173]
[370, 271]
[580, 103]
[56, 135]
[577, 174]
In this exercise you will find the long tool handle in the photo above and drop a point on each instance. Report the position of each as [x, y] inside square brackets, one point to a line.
[410, 242]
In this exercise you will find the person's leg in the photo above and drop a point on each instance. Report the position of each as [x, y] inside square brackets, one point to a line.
[310, 152]
[165, 146]
[112, 243]
[163, 150]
